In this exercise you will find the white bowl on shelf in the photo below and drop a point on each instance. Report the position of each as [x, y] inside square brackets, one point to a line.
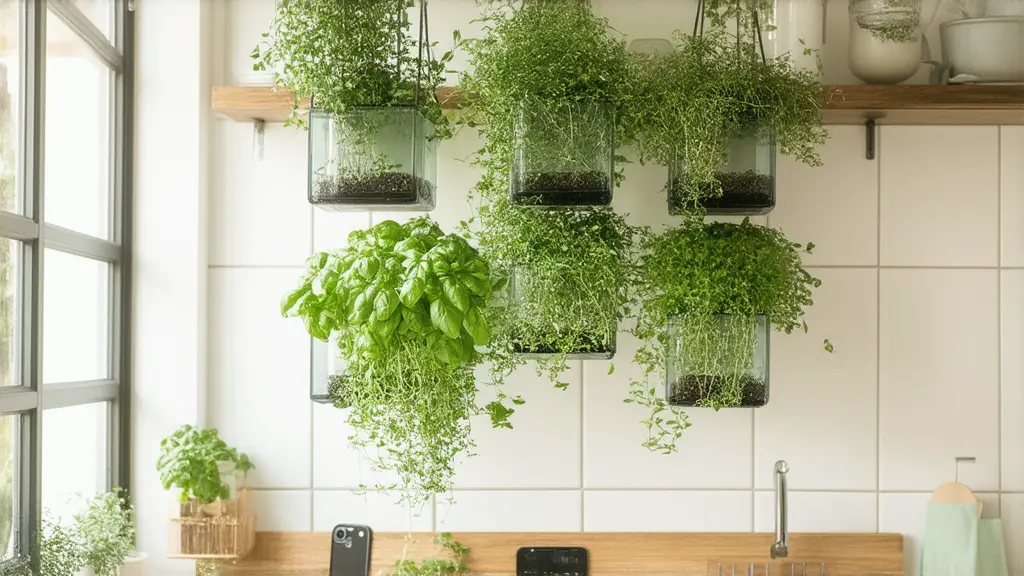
[984, 49]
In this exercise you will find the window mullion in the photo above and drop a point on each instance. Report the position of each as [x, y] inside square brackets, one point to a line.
[88, 32]
[35, 98]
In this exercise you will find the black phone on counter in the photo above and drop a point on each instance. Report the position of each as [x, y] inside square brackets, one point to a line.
[551, 561]
[350, 550]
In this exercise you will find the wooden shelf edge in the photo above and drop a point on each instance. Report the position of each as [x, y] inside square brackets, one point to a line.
[844, 105]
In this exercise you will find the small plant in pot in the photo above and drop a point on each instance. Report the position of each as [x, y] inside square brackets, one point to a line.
[710, 291]
[548, 78]
[214, 517]
[376, 119]
[107, 532]
[60, 549]
[714, 111]
[404, 305]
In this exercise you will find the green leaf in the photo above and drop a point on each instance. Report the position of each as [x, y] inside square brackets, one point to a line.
[368, 267]
[455, 294]
[433, 289]
[829, 347]
[447, 320]
[476, 325]
[290, 300]
[385, 304]
[412, 290]
[478, 284]
[611, 369]
[363, 307]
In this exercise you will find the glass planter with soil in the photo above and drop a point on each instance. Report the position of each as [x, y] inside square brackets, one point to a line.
[718, 361]
[549, 322]
[747, 178]
[564, 155]
[327, 374]
[223, 529]
[372, 158]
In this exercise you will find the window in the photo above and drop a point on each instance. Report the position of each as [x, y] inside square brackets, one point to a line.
[65, 136]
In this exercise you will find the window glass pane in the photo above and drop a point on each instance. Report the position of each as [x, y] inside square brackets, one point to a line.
[9, 460]
[100, 12]
[74, 457]
[10, 312]
[79, 125]
[76, 313]
[10, 95]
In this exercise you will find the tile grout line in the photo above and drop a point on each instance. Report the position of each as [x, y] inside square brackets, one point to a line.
[878, 334]
[312, 408]
[642, 489]
[999, 314]
[583, 514]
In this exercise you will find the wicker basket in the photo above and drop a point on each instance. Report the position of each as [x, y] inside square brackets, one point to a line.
[225, 529]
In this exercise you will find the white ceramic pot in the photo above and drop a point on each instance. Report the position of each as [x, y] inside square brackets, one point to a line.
[799, 31]
[134, 565]
[877, 61]
[986, 49]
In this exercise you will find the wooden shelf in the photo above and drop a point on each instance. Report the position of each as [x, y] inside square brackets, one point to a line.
[855, 104]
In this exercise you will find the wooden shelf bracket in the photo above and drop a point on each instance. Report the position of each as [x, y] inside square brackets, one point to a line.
[871, 131]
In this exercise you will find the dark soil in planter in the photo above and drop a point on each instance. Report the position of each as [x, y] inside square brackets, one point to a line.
[387, 188]
[749, 192]
[690, 389]
[335, 392]
[588, 346]
[589, 188]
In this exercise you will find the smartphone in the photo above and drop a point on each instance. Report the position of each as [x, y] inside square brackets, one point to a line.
[551, 561]
[350, 550]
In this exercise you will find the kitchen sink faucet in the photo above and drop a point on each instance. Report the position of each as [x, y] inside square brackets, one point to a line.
[780, 549]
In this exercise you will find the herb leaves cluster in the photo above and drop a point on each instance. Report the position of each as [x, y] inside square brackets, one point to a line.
[405, 305]
[188, 461]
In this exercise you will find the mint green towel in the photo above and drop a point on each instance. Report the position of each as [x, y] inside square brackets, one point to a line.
[991, 549]
[950, 545]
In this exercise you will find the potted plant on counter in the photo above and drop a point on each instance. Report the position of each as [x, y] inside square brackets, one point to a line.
[215, 518]
[714, 110]
[404, 305]
[710, 291]
[376, 119]
[106, 530]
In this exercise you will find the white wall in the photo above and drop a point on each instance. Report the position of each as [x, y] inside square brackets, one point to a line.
[922, 257]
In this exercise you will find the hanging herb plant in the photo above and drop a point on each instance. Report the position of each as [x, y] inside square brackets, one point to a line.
[548, 78]
[373, 82]
[714, 110]
[709, 292]
[405, 305]
[897, 21]
[537, 65]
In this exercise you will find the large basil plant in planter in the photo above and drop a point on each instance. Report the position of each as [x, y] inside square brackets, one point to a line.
[709, 292]
[376, 120]
[404, 305]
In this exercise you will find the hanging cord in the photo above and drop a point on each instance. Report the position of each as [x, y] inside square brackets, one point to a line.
[424, 47]
[760, 41]
[699, 18]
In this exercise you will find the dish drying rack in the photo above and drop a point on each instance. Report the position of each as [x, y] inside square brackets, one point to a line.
[770, 568]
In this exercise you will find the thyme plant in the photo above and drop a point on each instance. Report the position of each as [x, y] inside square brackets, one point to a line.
[714, 90]
[897, 21]
[107, 532]
[695, 273]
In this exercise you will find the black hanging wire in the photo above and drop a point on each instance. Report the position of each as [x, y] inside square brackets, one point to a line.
[699, 21]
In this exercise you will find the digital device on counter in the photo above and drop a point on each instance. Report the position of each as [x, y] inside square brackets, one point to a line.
[551, 561]
[350, 550]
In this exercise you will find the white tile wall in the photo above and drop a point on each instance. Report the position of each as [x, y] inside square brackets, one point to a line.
[927, 331]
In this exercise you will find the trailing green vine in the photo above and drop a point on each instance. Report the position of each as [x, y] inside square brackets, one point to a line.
[695, 273]
[454, 565]
[712, 91]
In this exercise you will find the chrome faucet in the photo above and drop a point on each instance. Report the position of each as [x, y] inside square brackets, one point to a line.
[780, 549]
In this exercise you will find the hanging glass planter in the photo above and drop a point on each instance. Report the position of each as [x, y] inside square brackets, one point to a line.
[717, 361]
[581, 329]
[327, 374]
[372, 158]
[564, 155]
[747, 179]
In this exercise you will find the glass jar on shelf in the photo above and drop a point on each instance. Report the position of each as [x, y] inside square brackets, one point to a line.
[887, 43]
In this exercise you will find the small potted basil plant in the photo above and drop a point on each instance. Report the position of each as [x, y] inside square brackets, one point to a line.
[214, 516]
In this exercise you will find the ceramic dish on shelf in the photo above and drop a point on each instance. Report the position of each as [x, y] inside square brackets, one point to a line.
[984, 50]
